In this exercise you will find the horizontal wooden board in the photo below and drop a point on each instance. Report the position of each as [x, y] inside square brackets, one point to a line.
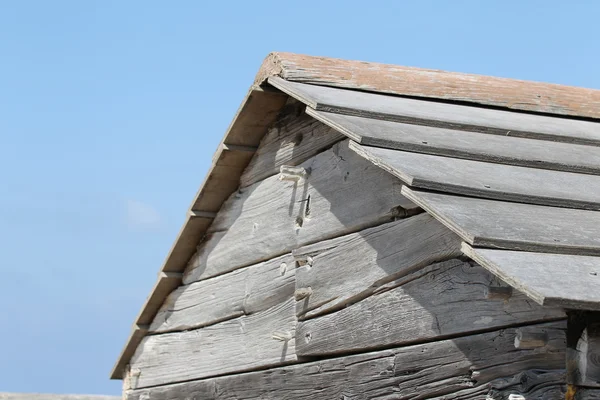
[462, 144]
[487, 180]
[556, 280]
[428, 83]
[240, 344]
[364, 262]
[295, 138]
[341, 193]
[241, 292]
[514, 226]
[448, 298]
[421, 112]
[470, 367]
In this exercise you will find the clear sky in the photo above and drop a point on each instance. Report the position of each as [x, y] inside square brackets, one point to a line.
[110, 112]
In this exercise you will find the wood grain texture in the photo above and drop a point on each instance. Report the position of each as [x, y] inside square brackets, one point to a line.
[43, 396]
[236, 345]
[556, 280]
[421, 112]
[447, 298]
[427, 83]
[295, 138]
[242, 292]
[258, 111]
[341, 193]
[480, 364]
[487, 180]
[469, 145]
[514, 226]
[364, 262]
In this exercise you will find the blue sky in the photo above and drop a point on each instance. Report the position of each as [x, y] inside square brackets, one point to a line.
[110, 112]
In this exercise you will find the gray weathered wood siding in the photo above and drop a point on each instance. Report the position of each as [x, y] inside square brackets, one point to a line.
[321, 277]
[469, 367]
[339, 192]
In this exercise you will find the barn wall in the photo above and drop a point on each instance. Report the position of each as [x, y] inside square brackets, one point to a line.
[324, 278]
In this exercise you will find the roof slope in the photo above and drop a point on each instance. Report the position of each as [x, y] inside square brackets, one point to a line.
[493, 177]
[39, 396]
[408, 121]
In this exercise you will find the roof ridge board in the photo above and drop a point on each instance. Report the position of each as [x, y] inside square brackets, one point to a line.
[504, 93]
[430, 113]
[480, 179]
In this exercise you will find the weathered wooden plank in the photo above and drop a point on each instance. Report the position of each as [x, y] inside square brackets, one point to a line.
[295, 138]
[448, 298]
[514, 226]
[258, 110]
[409, 81]
[462, 144]
[241, 292]
[44, 396]
[539, 384]
[556, 280]
[241, 344]
[430, 113]
[487, 180]
[484, 362]
[341, 193]
[364, 262]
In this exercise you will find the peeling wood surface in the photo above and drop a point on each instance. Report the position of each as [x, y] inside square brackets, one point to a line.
[469, 367]
[447, 298]
[556, 280]
[236, 345]
[258, 111]
[341, 193]
[421, 112]
[487, 180]
[295, 138]
[364, 262]
[241, 292]
[514, 226]
[462, 144]
[435, 84]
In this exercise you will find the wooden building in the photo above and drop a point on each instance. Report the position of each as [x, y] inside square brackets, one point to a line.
[41, 396]
[372, 231]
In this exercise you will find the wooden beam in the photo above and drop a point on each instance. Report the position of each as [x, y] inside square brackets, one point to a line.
[454, 143]
[241, 344]
[242, 292]
[343, 193]
[553, 280]
[202, 214]
[465, 368]
[487, 180]
[513, 226]
[441, 300]
[360, 264]
[433, 84]
[451, 116]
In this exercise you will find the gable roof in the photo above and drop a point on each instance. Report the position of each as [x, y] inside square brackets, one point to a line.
[40, 396]
[433, 125]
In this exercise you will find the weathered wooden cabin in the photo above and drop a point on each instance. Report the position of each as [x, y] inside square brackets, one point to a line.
[371, 231]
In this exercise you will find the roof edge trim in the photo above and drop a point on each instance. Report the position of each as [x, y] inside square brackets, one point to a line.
[512, 94]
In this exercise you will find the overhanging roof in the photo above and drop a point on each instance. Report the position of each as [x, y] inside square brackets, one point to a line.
[262, 104]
